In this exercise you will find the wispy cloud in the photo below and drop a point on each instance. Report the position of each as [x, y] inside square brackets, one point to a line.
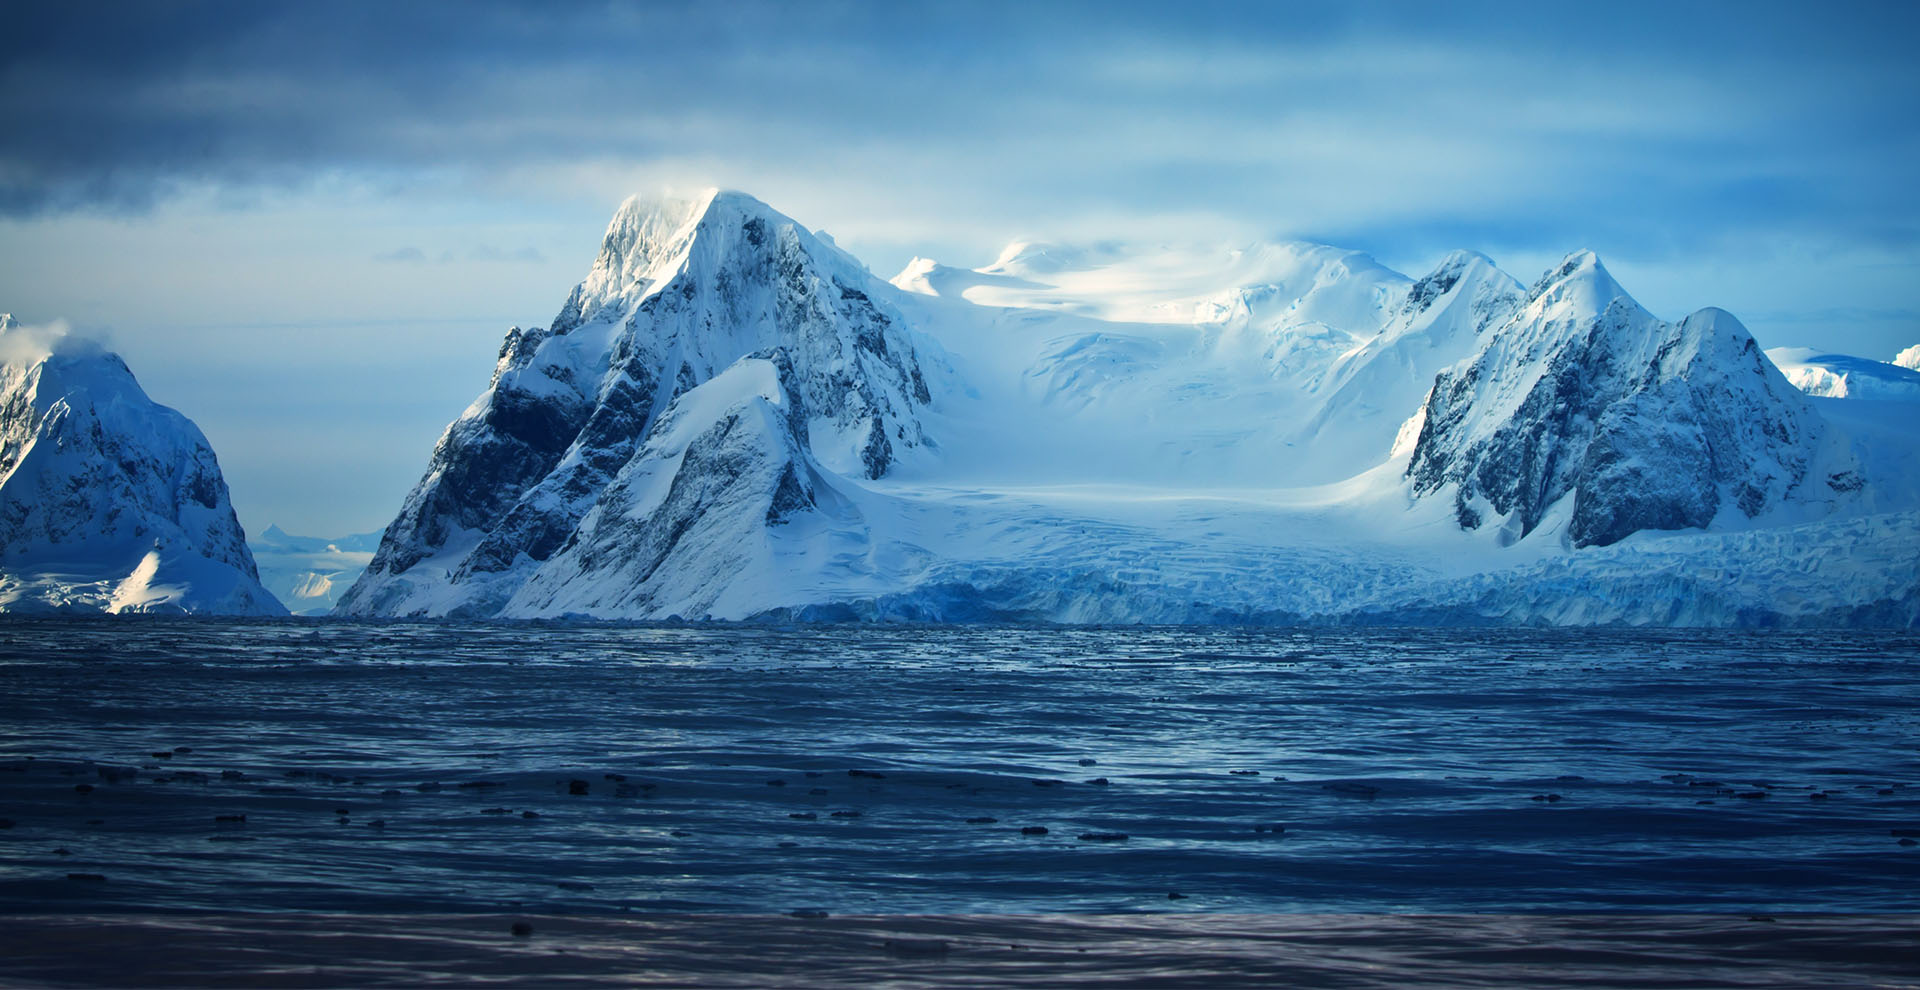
[487, 253]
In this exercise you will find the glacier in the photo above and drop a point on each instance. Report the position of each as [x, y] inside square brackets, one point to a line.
[109, 501]
[731, 418]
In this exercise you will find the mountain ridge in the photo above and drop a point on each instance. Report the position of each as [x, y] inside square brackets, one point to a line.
[1110, 433]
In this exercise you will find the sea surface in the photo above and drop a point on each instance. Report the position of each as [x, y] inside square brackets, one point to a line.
[156, 768]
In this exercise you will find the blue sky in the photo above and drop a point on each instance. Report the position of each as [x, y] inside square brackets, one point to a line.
[307, 225]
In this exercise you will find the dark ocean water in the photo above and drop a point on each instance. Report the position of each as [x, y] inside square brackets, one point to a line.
[411, 769]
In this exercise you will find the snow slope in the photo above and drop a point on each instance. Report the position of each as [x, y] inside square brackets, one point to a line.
[109, 501]
[1280, 432]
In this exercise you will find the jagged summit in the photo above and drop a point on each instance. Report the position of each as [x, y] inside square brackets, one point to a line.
[650, 239]
[1575, 288]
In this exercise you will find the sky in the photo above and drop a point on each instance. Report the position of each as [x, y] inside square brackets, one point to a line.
[307, 226]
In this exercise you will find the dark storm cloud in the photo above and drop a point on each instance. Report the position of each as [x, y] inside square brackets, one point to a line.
[1644, 124]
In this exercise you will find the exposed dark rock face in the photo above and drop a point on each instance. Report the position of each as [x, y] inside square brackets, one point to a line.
[1646, 424]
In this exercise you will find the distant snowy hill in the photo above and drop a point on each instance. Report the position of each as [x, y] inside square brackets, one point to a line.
[309, 574]
[109, 502]
[731, 418]
[1843, 376]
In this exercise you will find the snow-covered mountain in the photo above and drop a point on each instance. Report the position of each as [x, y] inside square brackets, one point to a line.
[109, 502]
[609, 406]
[731, 418]
[309, 574]
[1643, 424]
